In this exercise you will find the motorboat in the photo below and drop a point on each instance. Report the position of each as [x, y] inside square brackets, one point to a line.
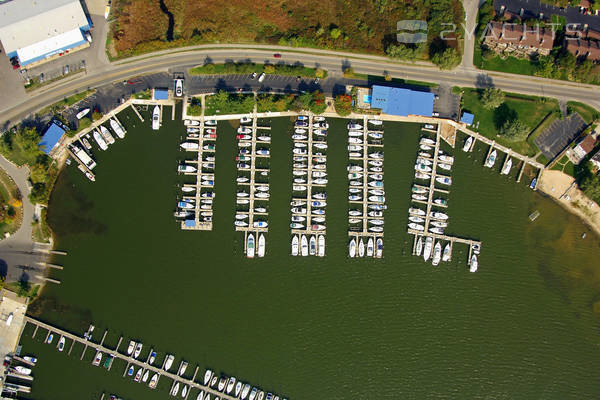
[260, 210]
[241, 216]
[175, 389]
[298, 210]
[419, 197]
[106, 135]
[474, 263]
[131, 347]
[355, 190]
[304, 246]
[97, 359]
[299, 136]
[415, 219]
[428, 248]
[261, 246]
[299, 188]
[100, 140]
[30, 359]
[231, 384]
[153, 381]
[23, 370]
[298, 150]
[321, 146]
[86, 143]
[438, 215]
[318, 220]
[188, 122]
[378, 222]
[262, 152]
[130, 371]
[320, 159]
[355, 213]
[419, 190]
[152, 357]
[422, 167]
[446, 159]
[320, 181]
[312, 245]
[356, 183]
[240, 223]
[376, 177]
[377, 199]
[238, 388]
[379, 248]
[318, 203]
[146, 376]
[245, 391]
[262, 188]
[354, 140]
[262, 195]
[445, 180]
[377, 207]
[375, 169]
[354, 175]
[352, 248]
[375, 213]
[437, 253]
[416, 227]
[169, 361]
[249, 252]
[322, 125]
[354, 126]
[184, 168]
[117, 127]
[353, 221]
[507, 167]
[188, 189]
[355, 155]
[207, 195]
[156, 118]
[317, 227]
[61, 343]
[238, 165]
[445, 167]
[355, 133]
[82, 113]
[138, 375]
[424, 161]
[295, 241]
[190, 145]
[354, 197]
[439, 224]
[301, 118]
[200, 395]
[427, 141]
[376, 155]
[422, 175]
[370, 247]
[468, 144]
[441, 202]
[491, 159]
[182, 368]
[321, 243]
[320, 132]
[361, 248]
[354, 147]
[439, 231]
[419, 246]
[263, 138]
[446, 253]
[425, 147]
[242, 194]
[354, 168]
[376, 184]
[319, 196]
[138, 350]
[244, 130]
[213, 382]
[416, 211]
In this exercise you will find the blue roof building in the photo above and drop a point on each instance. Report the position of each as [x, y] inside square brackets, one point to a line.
[402, 102]
[467, 118]
[51, 137]
[161, 94]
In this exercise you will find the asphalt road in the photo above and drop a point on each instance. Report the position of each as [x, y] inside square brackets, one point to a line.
[334, 62]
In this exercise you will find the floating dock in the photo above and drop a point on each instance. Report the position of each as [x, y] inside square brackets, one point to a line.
[361, 154]
[312, 161]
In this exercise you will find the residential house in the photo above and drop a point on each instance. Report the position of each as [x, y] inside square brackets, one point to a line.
[583, 49]
[596, 159]
[582, 149]
[518, 40]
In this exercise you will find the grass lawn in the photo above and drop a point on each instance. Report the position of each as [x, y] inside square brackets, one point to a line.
[532, 111]
[248, 68]
[565, 165]
[67, 101]
[588, 113]
[511, 65]
[229, 104]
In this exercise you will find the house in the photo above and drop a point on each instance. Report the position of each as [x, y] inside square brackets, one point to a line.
[596, 159]
[518, 40]
[582, 149]
[584, 49]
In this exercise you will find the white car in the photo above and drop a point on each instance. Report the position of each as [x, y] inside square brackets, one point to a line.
[261, 77]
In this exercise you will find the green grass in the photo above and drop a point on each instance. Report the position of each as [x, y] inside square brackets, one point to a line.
[248, 68]
[40, 230]
[565, 165]
[236, 104]
[542, 126]
[529, 109]
[588, 113]
[144, 95]
[379, 78]
[511, 65]
[66, 102]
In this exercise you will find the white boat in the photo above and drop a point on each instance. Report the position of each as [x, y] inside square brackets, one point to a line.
[250, 246]
[445, 180]
[438, 215]
[507, 167]
[190, 145]
[138, 350]
[23, 370]
[82, 113]
[231, 384]
[175, 389]
[422, 167]
[187, 122]
[261, 195]
[416, 211]
[379, 248]
[354, 220]
[264, 138]
[425, 147]
[244, 130]
[378, 222]
[118, 128]
[138, 375]
[375, 135]
[355, 134]
[295, 241]
[238, 389]
[200, 395]
[419, 246]
[207, 375]
[146, 376]
[376, 121]
[188, 189]
[152, 357]
[446, 253]
[100, 140]
[106, 135]
[361, 248]
[427, 141]
[474, 263]
[446, 159]
[419, 197]
[437, 253]
[156, 118]
[416, 227]
[304, 246]
[354, 126]
[253, 393]
[182, 368]
[439, 224]
[184, 391]
[370, 247]
[321, 243]
[422, 175]
[354, 140]
[298, 188]
[428, 248]
[321, 146]
[153, 381]
[491, 159]
[439, 231]
[261, 245]
[97, 359]
[186, 168]
[222, 383]
[468, 144]
[312, 245]
[131, 347]
[30, 359]
[169, 361]
[446, 167]
[352, 248]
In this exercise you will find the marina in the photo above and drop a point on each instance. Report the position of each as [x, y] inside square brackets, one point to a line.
[253, 192]
[428, 225]
[195, 209]
[309, 198]
[144, 371]
[366, 194]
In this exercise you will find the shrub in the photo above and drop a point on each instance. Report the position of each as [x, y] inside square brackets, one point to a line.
[343, 105]
[514, 130]
[446, 59]
[269, 69]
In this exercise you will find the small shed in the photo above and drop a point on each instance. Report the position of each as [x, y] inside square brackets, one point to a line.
[161, 94]
[467, 118]
[190, 223]
[51, 137]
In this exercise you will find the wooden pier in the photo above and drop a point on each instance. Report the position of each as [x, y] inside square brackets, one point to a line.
[365, 202]
[310, 168]
[191, 383]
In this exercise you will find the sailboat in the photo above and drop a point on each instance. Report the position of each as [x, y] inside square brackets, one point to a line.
[370, 247]
[153, 381]
[379, 248]
[507, 167]
[474, 263]
[250, 246]
[312, 245]
[468, 144]
[261, 245]
[437, 253]
[321, 246]
[130, 348]
[138, 375]
[419, 248]
[361, 248]
[304, 246]
[428, 248]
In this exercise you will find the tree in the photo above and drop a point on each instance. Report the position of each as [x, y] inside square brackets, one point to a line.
[343, 104]
[405, 52]
[348, 72]
[23, 287]
[492, 98]
[317, 104]
[335, 33]
[96, 115]
[514, 130]
[446, 59]
[591, 187]
[319, 73]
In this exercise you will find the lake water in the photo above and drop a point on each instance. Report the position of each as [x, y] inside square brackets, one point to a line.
[523, 326]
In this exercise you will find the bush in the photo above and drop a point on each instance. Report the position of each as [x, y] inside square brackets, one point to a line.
[343, 105]
[269, 69]
[348, 72]
[96, 115]
[446, 59]
[318, 104]
[492, 98]
[319, 73]
[335, 33]
[514, 130]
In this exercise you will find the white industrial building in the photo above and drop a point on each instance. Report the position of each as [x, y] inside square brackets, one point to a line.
[35, 30]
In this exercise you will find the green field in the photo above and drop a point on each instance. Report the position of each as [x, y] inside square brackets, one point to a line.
[588, 113]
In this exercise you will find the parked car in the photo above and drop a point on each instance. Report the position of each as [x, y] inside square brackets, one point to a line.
[42, 77]
[65, 69]
[253, 76]
[277, 55]
[261, 77]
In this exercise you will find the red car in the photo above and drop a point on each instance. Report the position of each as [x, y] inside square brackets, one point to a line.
[277, 55]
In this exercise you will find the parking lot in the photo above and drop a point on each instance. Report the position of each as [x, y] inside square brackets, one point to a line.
[558, 135]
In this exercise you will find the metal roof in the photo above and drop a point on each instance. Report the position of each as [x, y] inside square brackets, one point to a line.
[403, 102]
[467, 118]
[26, 22]
[51, 137]
[161, 94]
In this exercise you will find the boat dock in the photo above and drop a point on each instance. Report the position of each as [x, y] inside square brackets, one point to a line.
[130, 361]
[253, 180]
[205, 136]
[364, 155]
[309, 174]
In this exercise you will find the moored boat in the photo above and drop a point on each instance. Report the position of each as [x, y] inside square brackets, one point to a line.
[419, 246]
[361, 248]
[446, 253]
[61, 343]
[428, 248]
[437, 252]
[97, 359]
[507, 167]
[138, 375]
[138, 350]
[231, 384]
[249, 246]
[261, 245]
[379, 248]
[169, 361]
[491, 159]
[304, 246]
[468, 144]
[175, 389]
[106, 135]
[352, 248]
[100, 140]
[117, 127]
[321, 243]
[474, 263]
[156, 118]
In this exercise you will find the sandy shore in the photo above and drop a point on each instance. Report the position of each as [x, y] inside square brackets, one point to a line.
[562, 188]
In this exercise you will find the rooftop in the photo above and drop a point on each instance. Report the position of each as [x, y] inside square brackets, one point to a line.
[51, 137]
[520, 35]
[404, 102]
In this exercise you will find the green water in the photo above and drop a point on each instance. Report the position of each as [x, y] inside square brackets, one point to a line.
[309, 328]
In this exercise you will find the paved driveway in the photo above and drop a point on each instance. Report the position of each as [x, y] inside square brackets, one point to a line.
[558, 135]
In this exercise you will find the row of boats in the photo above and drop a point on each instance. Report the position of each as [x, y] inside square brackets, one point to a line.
[492, 157]
[309, 174]
[197, 199]
[366, 193]
[232, 387]
[103, 137]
